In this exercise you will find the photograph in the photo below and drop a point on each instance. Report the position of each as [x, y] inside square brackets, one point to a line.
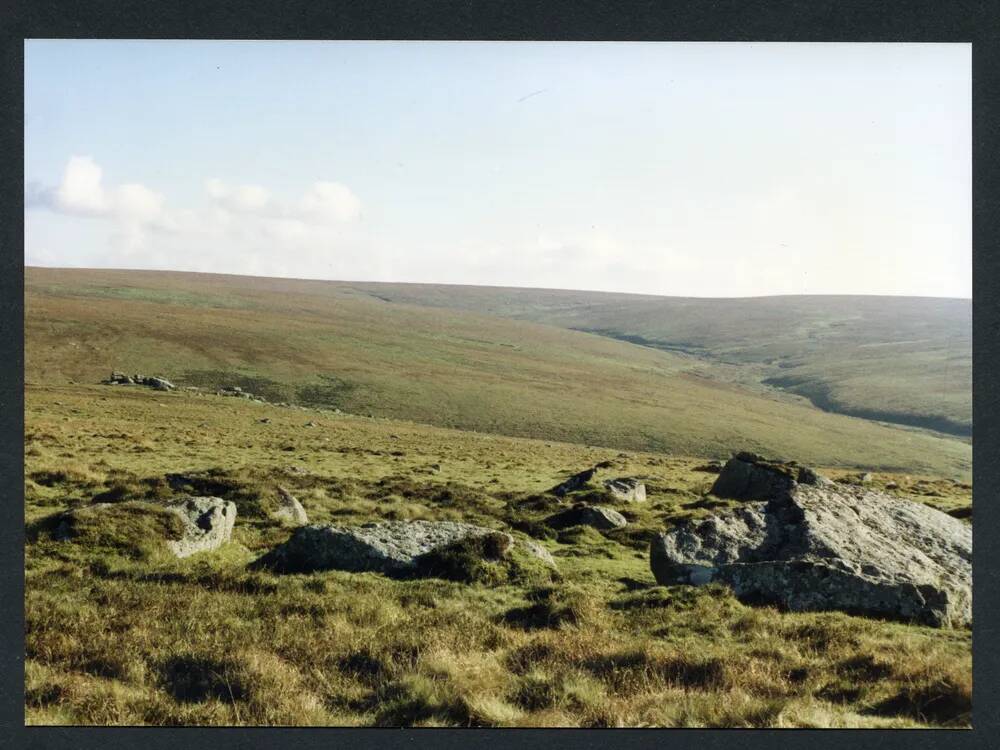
[511, 384]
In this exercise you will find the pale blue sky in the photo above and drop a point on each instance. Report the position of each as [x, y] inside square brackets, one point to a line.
[682, 169]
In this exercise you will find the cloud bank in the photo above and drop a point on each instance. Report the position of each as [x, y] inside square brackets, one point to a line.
[243, 213]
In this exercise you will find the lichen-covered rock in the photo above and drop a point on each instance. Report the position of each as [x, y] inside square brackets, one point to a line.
[830, 548]
[626, 489]
[536, 550]
[208, 524]
[575, 482]
[290, 510]
[391, 547]
[587, 515]
[747, 476]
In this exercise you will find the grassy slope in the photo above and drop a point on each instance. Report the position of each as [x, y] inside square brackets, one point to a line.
[113, 638]
[337, 345]
[900, 359]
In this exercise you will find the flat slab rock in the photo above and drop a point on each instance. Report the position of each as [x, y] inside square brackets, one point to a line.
[626, 489]
[830, 548]
[391, 547]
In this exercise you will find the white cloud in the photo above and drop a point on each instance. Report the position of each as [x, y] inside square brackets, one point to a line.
[245, 215]
[323, 203]
[330, 201]
[133, 207]
[137, 203]
[80, 190]
[239, 198]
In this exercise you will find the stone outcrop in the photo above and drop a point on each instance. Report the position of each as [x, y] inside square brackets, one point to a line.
[747, 476]
[236, 391]
[587, 515]
[208, 524]
[626, 489]
[120, 378]
[830, 548]
[390, 547]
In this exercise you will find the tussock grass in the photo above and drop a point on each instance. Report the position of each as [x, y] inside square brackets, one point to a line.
[119, 634]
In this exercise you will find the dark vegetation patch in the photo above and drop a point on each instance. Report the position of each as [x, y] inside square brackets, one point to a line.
[60, 477]
[199, 678]
[628, 670]
[552, 607]
[124, 485]
[332, 392]
[442, 495]
[258, 385]
[820, 395]
[944, 700]
[254, 495]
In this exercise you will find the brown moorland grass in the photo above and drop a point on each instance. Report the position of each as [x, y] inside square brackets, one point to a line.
[327, 344]
[114, 637]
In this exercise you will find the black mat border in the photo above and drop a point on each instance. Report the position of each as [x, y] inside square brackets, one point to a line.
[726, 20]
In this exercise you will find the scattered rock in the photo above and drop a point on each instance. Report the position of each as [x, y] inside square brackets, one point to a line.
[626, 489]
[830, 548]
[604, 465]
[891, 486]
[265, 420]
[119, 378]
[235, 391]
[208, 523]
[310, 424]
[587, 515]
[747, 476]
[390, 547]
[290, 510]
[712, 467]
[575, 482]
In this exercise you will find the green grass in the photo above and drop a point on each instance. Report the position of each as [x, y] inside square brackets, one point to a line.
[118, 635]
[343, 346]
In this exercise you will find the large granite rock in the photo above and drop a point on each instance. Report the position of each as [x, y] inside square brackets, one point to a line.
[626, 489]
[747, 476]
[587, 515]
[830, 548]
[391, 547]
[208, 524]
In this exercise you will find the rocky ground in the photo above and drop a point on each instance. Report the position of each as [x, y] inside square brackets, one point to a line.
[196, 559]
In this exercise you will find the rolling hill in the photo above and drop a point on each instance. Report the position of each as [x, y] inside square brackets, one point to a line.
[480, 359]
[906, 360]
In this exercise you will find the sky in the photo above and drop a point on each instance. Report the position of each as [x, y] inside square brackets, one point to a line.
[691, 169]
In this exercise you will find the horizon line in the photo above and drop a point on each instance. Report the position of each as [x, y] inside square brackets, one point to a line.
[489, 286]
